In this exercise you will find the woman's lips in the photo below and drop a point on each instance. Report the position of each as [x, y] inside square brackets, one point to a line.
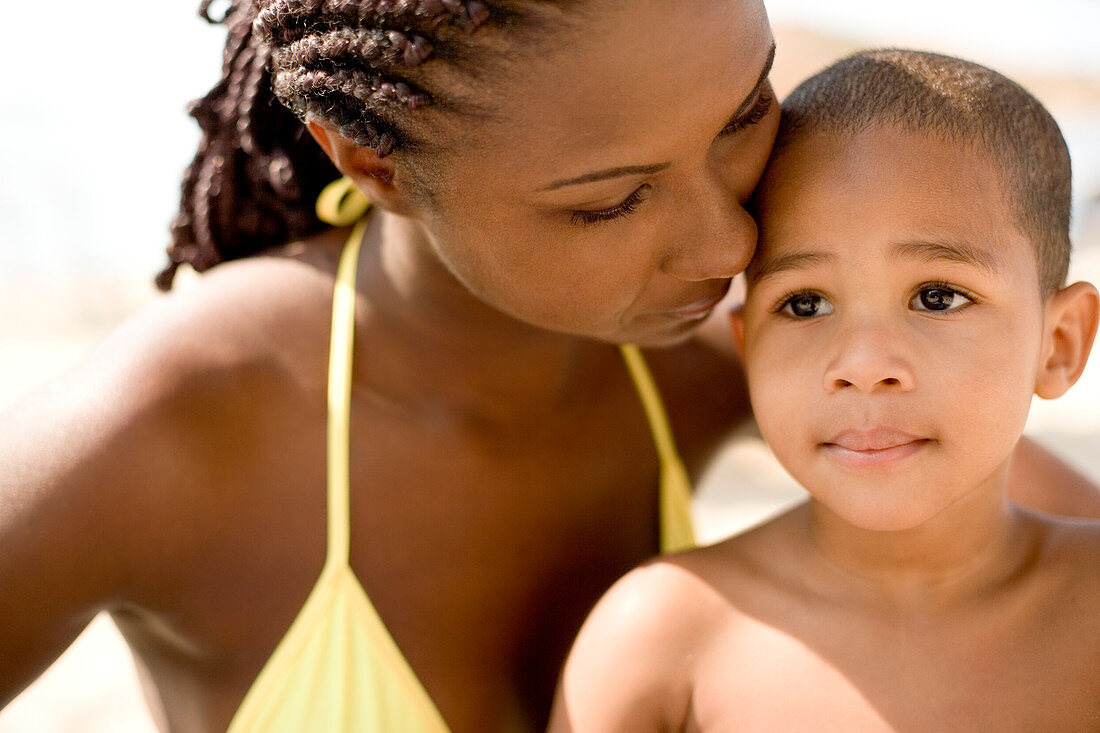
[872, 448]
[698, 309]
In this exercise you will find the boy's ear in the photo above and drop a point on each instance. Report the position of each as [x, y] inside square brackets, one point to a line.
[376, 176]
[1071, 321]
[737, 325]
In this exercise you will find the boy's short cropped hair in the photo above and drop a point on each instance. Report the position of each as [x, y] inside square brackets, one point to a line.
[964, 103]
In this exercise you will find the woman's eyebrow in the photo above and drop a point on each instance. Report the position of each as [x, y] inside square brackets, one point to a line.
[623, 170]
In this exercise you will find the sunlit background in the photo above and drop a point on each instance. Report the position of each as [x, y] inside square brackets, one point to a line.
[95, 140]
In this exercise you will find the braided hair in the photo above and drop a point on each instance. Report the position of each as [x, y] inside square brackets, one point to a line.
[360, 65]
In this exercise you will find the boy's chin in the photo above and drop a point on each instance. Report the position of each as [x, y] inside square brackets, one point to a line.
[883, 517]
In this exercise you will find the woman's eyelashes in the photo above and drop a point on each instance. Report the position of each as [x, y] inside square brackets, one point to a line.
[758, 111]
[626, 206]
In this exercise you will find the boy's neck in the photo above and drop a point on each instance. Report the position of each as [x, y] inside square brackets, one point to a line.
[971, 547]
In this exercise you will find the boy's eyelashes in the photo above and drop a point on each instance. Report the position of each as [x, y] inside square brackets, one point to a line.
[803, 304]
[941, 297]
[932, 297]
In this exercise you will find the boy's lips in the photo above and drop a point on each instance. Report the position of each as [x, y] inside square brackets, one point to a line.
[875, 447]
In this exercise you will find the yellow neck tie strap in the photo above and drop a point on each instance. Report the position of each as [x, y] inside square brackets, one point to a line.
[677, 532]
[341, 204]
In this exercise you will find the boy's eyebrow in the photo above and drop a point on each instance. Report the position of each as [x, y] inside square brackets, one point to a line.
[633, 170]
[950, 252]
[921, 250]
[793, 261]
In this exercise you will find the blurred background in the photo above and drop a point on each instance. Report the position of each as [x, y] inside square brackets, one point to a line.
[95, 140]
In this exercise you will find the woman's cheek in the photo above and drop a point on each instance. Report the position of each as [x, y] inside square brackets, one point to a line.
[746, 156]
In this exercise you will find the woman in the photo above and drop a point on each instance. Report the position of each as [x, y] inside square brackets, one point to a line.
[549, 180]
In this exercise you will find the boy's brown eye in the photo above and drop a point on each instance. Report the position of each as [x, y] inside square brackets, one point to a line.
[806, 305]
[936, 300]
[939, 298]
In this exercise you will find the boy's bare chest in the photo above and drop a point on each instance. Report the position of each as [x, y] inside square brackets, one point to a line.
[1035, 674]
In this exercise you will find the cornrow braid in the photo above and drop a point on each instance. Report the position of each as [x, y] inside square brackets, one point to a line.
[256, 172]
[359, 77]
[362, 66]
[281, 19]
[371, 45]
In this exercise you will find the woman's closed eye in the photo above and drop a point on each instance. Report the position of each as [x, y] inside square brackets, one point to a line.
[940, 298]
[627, 206]
[758, 112]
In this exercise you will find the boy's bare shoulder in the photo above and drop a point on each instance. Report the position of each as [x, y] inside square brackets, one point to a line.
[1065, 600]
[636, 660]
[632, 665]
[717, 587]
[671, 597]
[1070, 549]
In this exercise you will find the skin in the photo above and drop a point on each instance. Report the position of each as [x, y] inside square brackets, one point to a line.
[908, 586]
[176, 477]
[688, 232]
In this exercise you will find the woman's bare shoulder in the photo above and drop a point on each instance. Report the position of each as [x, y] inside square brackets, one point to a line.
[207, 353]
[113, 470]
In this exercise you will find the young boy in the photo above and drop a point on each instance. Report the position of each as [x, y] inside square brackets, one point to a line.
[904, 305]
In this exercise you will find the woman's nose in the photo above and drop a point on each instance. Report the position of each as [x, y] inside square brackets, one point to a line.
[717, 241]
[869, 358]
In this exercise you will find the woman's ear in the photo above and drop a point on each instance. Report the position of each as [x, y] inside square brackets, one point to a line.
[1071, 321]
[376, 176]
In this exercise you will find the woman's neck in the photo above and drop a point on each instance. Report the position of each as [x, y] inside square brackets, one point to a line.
[426, 342]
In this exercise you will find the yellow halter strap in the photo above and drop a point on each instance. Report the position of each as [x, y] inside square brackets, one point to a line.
[341, 203]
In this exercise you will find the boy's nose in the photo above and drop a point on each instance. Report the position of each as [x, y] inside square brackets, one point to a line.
[869, 359]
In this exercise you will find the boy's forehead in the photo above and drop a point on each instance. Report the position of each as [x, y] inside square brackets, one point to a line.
[882, 184]
[885, 154]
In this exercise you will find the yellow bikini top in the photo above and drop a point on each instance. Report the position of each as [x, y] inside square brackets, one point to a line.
[337, 668]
